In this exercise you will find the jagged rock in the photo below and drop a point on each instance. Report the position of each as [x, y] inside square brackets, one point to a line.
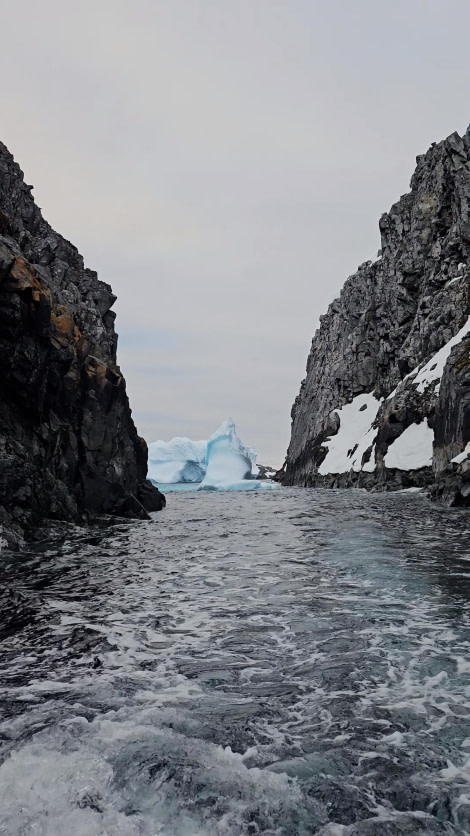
[151, 498]
[394, 316]
[68, 445]
[265, 472]
[452, 428]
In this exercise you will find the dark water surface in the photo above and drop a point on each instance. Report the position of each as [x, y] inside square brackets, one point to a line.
[280, 662]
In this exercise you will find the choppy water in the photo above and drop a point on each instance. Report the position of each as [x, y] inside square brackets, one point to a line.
[288, 662]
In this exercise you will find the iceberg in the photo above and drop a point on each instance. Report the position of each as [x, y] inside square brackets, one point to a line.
[178, 460]
[228, 461]
[221, 463]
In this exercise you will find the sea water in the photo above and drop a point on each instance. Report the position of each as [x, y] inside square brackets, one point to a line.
[280, 662]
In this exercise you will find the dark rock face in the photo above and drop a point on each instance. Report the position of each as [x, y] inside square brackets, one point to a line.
[265, 472]
[392, 317]
[68, 446]
[452, 428]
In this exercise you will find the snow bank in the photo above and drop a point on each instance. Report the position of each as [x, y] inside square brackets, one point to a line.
[412, 449]
[355, 435]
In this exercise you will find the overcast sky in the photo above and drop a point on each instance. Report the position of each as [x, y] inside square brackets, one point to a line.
[223, 164]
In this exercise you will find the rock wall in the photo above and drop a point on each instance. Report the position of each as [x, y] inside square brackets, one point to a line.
[398, 334]
[68, 446]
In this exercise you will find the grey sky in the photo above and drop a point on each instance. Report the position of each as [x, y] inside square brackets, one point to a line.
[223, 164]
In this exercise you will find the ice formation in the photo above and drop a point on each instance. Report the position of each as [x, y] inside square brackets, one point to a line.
[221, 463]
[230, 465]
[178, 460]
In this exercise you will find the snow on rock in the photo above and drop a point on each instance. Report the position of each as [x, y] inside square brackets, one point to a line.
[374, 257]
[229, 464]
[465, 454]
[389, 318]
[432, 370]
[412, 449]
[178, 460]
[354, 437]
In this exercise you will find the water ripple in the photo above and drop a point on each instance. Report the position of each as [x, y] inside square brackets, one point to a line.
[288, 662]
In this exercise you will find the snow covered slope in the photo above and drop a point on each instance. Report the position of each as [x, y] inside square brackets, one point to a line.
[354, 437]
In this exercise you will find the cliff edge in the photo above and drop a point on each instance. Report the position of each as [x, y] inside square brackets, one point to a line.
[386, 399]
[69, 449]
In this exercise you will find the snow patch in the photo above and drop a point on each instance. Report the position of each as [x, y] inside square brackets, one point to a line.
[354, 437]
[462, 456]
[412, 449]
[376, 256]
[431, 372]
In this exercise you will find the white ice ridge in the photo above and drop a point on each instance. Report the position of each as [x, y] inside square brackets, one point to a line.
[432, 371]
[355, 435]
[412, 449]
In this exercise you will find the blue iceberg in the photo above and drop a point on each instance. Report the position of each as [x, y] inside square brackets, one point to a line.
[228, 461]
[176, 461]
[221, 463]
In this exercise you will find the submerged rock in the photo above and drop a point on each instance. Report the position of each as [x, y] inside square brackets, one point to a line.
[386, 399]
[69, 448]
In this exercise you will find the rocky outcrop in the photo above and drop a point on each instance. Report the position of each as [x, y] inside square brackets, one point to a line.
[452, 429]
[68, 446]
[265, 472]
[385, 402]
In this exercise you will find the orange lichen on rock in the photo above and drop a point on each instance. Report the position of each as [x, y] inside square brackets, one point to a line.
[64, 328]
[25, 275]
[96, 368]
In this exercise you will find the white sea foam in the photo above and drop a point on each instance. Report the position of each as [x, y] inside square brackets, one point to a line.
[279, 659]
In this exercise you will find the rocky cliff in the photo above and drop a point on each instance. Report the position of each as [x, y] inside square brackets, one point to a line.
[386, 398]
[69, 449]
